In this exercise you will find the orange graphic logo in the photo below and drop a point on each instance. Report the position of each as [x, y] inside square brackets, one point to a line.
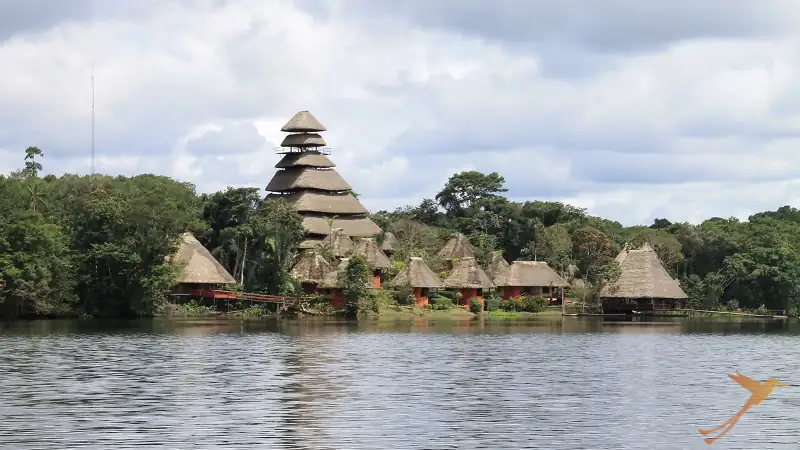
[760, 391]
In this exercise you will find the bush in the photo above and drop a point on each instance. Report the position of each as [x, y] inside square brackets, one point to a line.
[441, 303]
[492, 303]
[508, 304]
[475, 305]
[524, 303]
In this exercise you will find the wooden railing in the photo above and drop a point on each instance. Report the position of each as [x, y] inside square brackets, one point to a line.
[265, 298]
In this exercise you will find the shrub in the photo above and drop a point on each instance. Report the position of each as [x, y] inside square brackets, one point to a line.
[475, 305]
[441, 303]
[492, 303]
[508, 304]
[540, 303]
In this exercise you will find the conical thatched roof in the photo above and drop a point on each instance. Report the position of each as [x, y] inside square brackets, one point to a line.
[352, 226]
[303, 140]
[642, 276]
[467, 274]
[497, 267]
[530, 273]
[307, 158]
[369, 250]
[311, 267]
[389, 242]
[417, 274]
[456, 248]
[339, 242]
[309, 243]
[198, 265]
[303, 121]
[331, 280]
[307, 178]
[324, 202]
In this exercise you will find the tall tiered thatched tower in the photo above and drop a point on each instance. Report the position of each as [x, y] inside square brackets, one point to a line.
[307, 178]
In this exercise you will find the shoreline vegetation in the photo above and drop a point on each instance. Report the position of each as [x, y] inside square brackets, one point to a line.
[99, 246]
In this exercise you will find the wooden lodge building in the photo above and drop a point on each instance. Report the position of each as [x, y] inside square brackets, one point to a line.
[644, 285]
[307, 178]
[331, 286]
[420, 277]
[310, 270]
[469, 279]
[200, 273]
[389, 243]
[377, 261]
[530, 278]
[497, 266]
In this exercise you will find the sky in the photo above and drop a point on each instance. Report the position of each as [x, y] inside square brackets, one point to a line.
[682, 109]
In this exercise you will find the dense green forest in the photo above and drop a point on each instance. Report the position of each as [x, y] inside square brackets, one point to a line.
[96, 245]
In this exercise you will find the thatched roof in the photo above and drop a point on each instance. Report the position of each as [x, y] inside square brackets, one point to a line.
[303, 121]
[456, 248]
[530, 273]
[417, 274]
[331, 280]
[323, 202]
[307, 178]
[309, 243]
[389, 242]
[198, 265]
[339, 242]
[497, 267]
[642, 276]
[369, 250]
[311, 267]
[307, 158]
[352, 226]
[303, 140]
[467, 274]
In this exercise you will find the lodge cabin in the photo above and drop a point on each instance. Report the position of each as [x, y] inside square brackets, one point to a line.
[420, 278]
[469, 280]
[331, 287]
[497, 266]
[533, 278]
[455, 249]
[644, 285]
[310, 269]
[377, 261]
[389, 243]
[200, 273]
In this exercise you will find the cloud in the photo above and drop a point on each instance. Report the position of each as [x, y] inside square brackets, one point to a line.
[634, 110]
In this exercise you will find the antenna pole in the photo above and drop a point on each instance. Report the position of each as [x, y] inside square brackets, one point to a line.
[92, 117]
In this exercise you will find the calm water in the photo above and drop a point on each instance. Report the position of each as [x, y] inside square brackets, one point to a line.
[410, 385]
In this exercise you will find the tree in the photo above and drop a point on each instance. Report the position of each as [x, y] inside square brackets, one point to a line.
[32, 166]
[592, 250]
[354, 281]
[464, 190]
[555, 247]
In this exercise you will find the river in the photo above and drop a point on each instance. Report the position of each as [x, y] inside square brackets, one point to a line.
[327, 384]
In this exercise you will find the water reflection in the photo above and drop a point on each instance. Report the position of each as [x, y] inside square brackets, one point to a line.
[414, 384]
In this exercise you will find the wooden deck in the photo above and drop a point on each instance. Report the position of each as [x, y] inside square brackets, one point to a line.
[246, 296]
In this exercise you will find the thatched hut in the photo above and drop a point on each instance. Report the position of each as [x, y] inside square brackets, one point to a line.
[456, 248]
[310, 269]
[377, 261]
[497, 266]
[643, 284]
[308, 179]
[469, 279]
[339, 243]
[420, 277]
[530, 278]
[200, 273]
[389, 243]
[331, 285]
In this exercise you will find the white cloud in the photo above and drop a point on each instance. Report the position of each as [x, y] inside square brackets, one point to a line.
[698, 122]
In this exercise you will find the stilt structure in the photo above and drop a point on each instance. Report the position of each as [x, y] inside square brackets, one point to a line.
[307, 179]
[200, 273]
[643, 285]
[420, 278]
